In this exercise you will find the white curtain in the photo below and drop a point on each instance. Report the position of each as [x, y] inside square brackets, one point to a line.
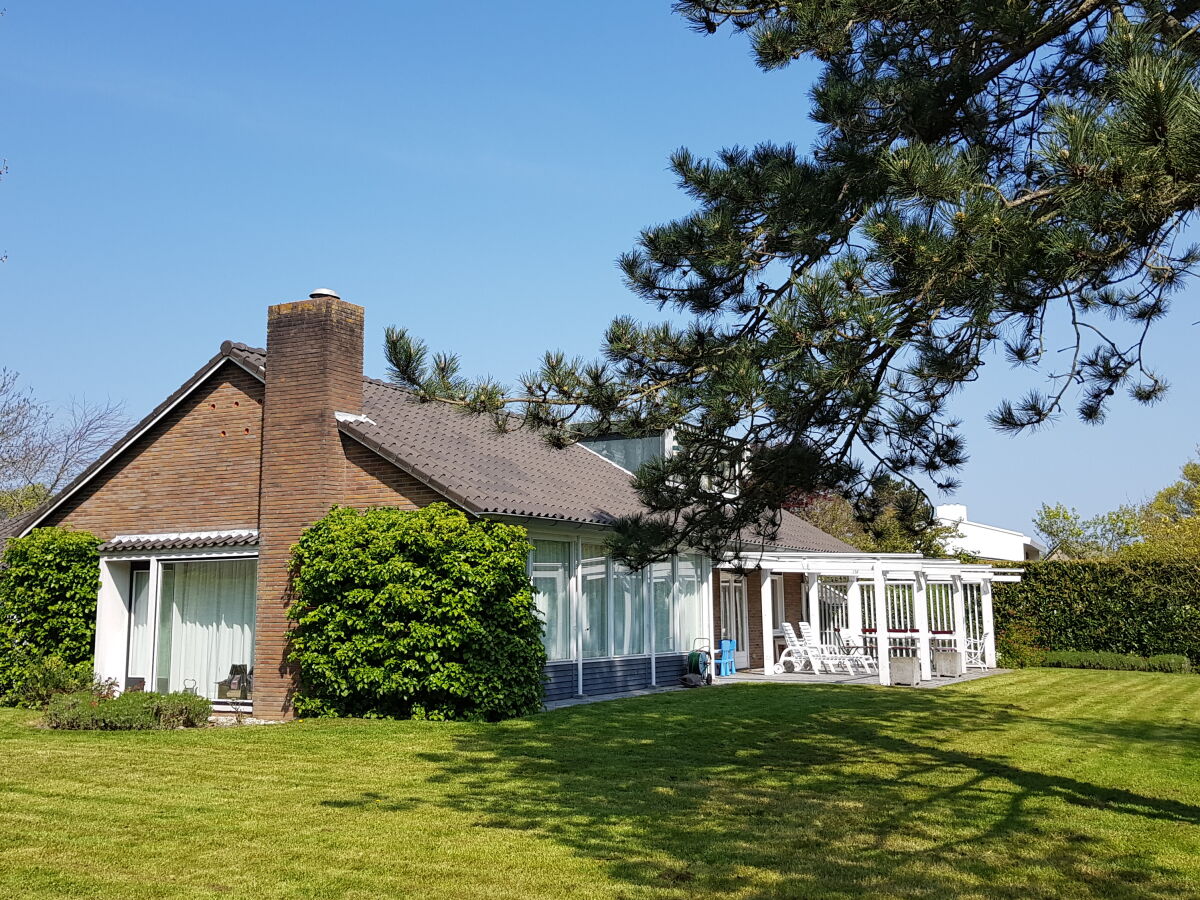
[595, 601]
[691, 600]
[551, 565]
[206, 623]
[141, 638]
[664, 607]
[628, 612]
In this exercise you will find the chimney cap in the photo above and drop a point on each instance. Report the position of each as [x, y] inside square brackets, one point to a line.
[324, 292]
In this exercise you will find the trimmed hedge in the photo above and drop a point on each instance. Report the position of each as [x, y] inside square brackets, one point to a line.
[48, 585]
[131, 711]
[420, 614]
[1142, 608]
[1123, 662]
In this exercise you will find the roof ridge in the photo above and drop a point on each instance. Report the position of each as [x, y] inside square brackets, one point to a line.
[391, 385]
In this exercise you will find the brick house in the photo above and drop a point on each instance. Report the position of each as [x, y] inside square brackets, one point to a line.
[199, 504]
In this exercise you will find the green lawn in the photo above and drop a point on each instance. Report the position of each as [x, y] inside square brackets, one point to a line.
[1043, 783]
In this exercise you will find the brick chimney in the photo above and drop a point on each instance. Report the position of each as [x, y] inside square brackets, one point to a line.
[314, 369]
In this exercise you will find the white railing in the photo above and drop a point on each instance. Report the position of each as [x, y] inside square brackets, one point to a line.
[835, 608]
[903, 636]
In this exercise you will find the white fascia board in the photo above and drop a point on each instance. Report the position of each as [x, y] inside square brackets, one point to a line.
[250, 551]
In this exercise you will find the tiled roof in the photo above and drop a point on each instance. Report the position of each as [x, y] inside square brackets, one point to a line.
[252, 358]
[9, 527]
[467, 460]
[513, 473]
[181, 540]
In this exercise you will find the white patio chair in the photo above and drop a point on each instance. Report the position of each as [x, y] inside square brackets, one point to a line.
[796, 652]
[973, 657]
[857, 654]
[831, 656]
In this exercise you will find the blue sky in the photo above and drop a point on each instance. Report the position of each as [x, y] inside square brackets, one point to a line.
[468, 170]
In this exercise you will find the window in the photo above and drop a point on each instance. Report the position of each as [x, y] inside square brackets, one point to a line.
[628, 611]
[777, 603]
[690, 617]
[206, 624]
[141, 636]
[629, 453]
[551, 570]
[735, 615]
[196, 632]
[663, 586]
[615, 604]
[595, 579]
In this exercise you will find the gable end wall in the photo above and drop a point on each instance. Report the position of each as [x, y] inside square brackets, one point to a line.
[197, 469]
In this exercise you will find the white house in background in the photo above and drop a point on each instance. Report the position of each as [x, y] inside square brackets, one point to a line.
[986, 541]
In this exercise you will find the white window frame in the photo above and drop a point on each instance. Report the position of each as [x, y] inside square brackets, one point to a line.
[778, 608]
[704, 577]
[114, 610]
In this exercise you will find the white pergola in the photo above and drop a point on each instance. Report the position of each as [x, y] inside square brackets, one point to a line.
[879, 570]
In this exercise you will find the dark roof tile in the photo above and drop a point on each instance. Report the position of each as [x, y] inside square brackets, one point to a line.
[467, 460]
[515, 473]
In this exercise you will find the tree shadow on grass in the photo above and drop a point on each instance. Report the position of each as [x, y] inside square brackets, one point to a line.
[813, 791]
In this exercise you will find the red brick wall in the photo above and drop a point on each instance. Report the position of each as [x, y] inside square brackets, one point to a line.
[795, 598]
[314, 369]
[197, 469]
[373, 481]
[238, 454]
[794, 607]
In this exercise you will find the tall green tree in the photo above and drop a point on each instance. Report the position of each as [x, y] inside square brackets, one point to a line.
[1068, 535]
[1170, 521]
[893, 518]
[991, 181]
[1177, 501]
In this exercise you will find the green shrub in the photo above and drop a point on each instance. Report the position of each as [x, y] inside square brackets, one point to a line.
[48, 585]
[1140, 608]
[77, 711]
[415, 614]
[1016, 647]
[44, 677]
[1125, 662]
[131, 711]
[181, 710]
[1169, 662]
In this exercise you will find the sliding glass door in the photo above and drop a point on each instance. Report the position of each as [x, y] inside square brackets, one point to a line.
[201, 637]
[141, 632]
[735, 617]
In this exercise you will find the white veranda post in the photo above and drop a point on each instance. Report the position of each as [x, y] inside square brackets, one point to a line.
[960, 620]
[989, 634]
[814, 603]
[854, 616]
[881, 628]
[921, 616]
[768, 624]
